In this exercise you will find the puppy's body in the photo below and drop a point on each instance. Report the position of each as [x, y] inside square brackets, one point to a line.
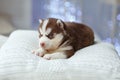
[60, 39]
[80, 35]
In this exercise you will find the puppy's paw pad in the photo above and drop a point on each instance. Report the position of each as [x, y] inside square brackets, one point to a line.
[40, 54]
[33, 51]
[47, 56]
[37, 52]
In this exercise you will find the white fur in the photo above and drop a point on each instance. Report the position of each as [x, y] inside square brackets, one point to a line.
[39, 52]
[51, 43]
[44, 26]
[45, 40]
[45, 32]
[48, 31]
[65, 48]
[57, 40]
[57, 55]
[43, 29]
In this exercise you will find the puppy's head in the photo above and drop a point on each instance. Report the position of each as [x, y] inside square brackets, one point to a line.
[51, 33]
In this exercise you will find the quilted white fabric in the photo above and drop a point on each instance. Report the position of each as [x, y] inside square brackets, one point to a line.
[3, 39]
[97, 62]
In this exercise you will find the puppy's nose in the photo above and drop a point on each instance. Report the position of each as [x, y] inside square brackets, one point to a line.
[42, 44]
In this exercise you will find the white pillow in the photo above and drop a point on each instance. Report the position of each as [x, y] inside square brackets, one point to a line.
[3, 39]
[97, 62]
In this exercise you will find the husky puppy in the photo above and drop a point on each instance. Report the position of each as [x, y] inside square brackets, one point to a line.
[60, 40]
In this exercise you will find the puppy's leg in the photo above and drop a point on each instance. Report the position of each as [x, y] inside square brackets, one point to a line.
[56, 55]
[39, 52]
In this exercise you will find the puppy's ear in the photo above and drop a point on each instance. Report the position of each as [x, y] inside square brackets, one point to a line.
[60, 23]
[40, 21]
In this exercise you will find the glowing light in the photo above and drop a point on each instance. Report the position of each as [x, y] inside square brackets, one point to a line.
[118, 17]
[67, 4]
[67, 11]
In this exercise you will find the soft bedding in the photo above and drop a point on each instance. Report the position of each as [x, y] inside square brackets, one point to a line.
[3, 39]
[97, 62]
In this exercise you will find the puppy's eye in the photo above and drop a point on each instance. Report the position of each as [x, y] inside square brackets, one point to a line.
[50, 36]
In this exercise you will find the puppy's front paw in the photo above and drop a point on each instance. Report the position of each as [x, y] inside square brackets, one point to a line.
[47, 56]
[38, 52]
[57, 55]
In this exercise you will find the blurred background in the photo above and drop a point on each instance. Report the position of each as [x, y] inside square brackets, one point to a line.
[103, 16]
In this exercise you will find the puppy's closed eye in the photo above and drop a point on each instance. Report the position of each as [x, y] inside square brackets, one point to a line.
[51, 36]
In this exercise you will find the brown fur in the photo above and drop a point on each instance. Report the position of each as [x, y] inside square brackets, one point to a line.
[79, 35]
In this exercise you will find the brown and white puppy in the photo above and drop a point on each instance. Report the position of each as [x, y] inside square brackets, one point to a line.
[60, 40]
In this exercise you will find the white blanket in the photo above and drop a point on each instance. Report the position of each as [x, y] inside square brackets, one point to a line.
[3, 39]
[97, 62]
